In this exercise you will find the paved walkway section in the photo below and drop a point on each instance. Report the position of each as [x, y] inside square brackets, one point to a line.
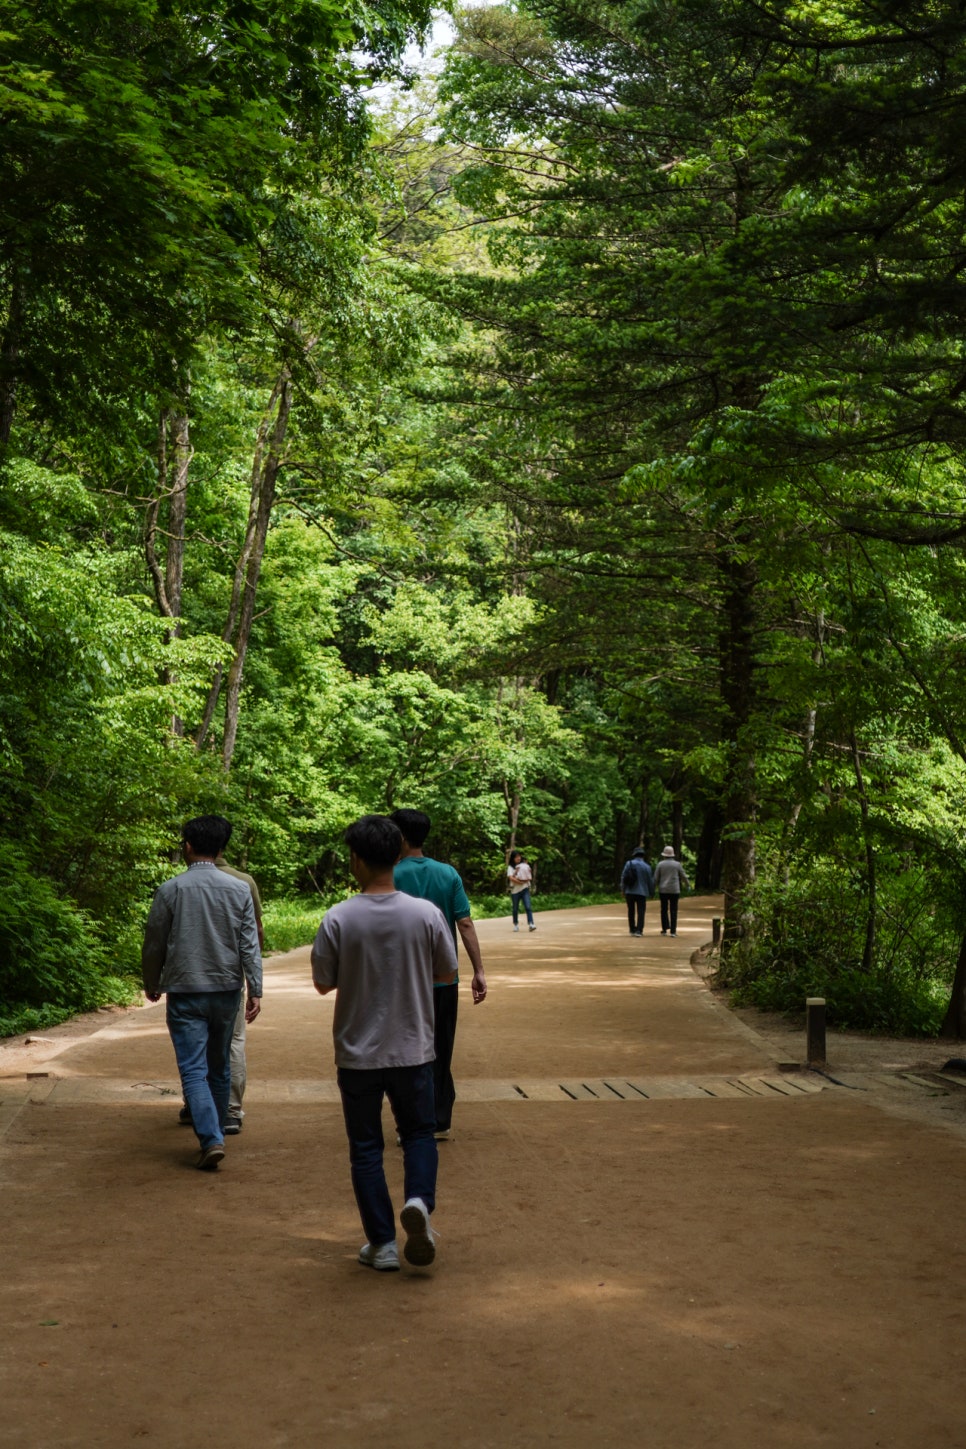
[650, 1234]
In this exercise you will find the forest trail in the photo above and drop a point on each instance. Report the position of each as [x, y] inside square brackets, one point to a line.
[644, 1239]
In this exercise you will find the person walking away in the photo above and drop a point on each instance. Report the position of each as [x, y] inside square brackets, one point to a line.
[200, 948]
[669, 881]
[381, 951]
[432, 880]
[637, 884]
[519, 877]
[239, 1066]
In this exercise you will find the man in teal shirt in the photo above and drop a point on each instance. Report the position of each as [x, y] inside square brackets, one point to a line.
[418, 875]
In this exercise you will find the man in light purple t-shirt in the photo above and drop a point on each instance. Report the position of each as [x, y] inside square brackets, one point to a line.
[381, 951]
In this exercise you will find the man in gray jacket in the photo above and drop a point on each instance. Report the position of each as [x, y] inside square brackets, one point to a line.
[200, 947]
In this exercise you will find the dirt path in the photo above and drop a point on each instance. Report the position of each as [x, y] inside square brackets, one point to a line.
[643, 1243]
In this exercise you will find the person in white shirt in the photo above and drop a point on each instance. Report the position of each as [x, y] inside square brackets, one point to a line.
[519, 877]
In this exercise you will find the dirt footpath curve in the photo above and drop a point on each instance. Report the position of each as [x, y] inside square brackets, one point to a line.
[649, 1235]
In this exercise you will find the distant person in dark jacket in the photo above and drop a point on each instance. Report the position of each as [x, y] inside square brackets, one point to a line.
[637, 884]
[670, 880]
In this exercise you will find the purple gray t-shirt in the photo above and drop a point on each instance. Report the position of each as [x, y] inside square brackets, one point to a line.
[382, 952]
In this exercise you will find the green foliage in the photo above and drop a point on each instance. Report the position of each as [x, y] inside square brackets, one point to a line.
[809, 942]
[618, 496]
[53, 957]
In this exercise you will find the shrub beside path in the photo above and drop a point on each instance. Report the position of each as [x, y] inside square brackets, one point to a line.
[676, 1267]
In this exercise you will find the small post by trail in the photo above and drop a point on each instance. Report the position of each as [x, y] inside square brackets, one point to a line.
[815, 1031]
[716, 930]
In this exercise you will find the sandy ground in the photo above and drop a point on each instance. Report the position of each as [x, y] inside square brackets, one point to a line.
[650, 1236]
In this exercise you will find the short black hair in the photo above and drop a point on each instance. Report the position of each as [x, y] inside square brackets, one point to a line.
[206, 834]
[414, 824]
[376, 839]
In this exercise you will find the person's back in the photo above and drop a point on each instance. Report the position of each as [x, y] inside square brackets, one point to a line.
[379, 951]
[669, 876]
[670, 880]
[432, 880]
[636, 877]
[200, 946]
[427, 879]
[207, 924]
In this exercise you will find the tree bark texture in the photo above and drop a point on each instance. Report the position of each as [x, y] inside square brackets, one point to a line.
[954, 1022]
[170, 503]
[10, 363]
[267, 460]
[738, 577]
[871, 902]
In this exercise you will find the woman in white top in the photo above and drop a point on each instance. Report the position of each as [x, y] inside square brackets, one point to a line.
[519, 875]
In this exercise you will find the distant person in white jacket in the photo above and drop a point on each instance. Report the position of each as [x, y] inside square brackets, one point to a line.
[519, 877]
[669, 881]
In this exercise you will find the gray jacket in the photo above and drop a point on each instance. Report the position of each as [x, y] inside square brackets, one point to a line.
[669, 877]
[201, 934]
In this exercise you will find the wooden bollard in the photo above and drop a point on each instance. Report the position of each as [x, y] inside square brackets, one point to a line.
[815, 1031]
[716, 930]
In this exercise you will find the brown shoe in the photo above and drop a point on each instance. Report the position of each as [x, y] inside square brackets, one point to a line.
[210, 1157]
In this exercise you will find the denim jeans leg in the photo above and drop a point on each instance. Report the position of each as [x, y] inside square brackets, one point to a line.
[221, 1027]
[525, 898]
[362, 1093]
[515, 902]
[200, 1025]
[412, 1097]
[238, 1067]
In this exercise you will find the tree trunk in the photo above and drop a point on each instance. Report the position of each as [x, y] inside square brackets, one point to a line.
[707, 870]
[264, 481]
[173, 488]
[241, 608]
[644, 818]
[513, 811]
[954, 1022]
[177, 516]
[620, 844]
[868, 952]
[738, 692]
[10, 363]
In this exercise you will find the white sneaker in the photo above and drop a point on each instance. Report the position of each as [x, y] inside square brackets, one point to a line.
[420, 1245]
[533, 928]
[516, 928]
[384, 1258]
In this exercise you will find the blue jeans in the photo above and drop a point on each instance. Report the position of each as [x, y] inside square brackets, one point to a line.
[200, 1024]
[412, 1099]
[522, 898]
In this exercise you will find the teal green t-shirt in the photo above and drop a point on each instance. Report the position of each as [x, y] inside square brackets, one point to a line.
[431, 880]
